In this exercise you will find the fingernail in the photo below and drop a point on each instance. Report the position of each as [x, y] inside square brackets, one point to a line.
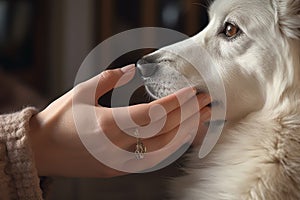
[205, 100]
[128, 68]
[186, 93]
[129, 72]
[187, 89]
[187, 140]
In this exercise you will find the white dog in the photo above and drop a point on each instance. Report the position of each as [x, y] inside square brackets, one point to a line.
[255, 45]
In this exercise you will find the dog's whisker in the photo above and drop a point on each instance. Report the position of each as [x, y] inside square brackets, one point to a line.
[200, 4]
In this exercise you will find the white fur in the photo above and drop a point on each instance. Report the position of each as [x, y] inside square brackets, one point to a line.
[258, 155]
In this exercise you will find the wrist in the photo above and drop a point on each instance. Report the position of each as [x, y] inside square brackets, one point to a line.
[38, 144]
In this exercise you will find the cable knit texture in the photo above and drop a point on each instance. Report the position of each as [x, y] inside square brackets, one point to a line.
[18, 175]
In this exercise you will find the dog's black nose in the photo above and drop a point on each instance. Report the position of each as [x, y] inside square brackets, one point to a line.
[145, 67]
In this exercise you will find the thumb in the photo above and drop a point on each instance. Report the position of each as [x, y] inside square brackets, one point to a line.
[110, 79]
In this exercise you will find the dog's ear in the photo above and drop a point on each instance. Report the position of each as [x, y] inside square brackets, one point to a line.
[288, 17]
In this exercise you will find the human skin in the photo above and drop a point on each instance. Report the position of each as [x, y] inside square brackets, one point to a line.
[58, 150]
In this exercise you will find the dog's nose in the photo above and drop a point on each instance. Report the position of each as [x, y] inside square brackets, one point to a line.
[146, 68]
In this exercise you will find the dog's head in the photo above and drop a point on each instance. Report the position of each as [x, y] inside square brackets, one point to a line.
[250, 44]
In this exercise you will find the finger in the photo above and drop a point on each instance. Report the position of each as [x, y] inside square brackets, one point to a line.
[175, 100]
[181, 114]
[191, 124]
[159, 108]
[200, 135]
[153, 158]
[124, 138]
[120, 129]
[160, 142]
[202, 128]
[174, 119]
[162, 147]
[110, 79]
[151, 121]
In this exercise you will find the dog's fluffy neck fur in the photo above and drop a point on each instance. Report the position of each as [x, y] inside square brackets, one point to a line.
[257, 157]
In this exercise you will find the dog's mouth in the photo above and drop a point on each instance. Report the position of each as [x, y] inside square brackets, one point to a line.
[160, 85]
[161, 78]
[154, 93]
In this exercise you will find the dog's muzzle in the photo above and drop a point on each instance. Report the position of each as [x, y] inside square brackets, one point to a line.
[160, 75]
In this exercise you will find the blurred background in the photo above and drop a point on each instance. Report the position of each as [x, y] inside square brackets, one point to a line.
[42, 45]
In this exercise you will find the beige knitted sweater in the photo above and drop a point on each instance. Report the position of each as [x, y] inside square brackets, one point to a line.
[18, 175]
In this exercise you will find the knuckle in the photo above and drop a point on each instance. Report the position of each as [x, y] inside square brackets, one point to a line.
[107, 74]
[165, 128]
[104, 126]
[166, 140]
[80, 86]
[79, 89]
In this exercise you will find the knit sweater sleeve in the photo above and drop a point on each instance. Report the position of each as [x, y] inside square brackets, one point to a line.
[18, 175]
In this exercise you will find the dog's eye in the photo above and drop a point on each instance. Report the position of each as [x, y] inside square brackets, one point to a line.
[231, 30]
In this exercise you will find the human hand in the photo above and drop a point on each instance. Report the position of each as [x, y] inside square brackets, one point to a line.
[58, 146]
